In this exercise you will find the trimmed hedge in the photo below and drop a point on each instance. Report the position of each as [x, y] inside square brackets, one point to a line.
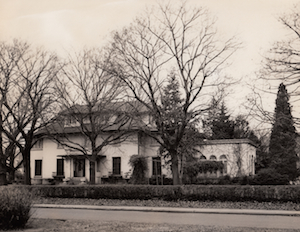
[234, 193]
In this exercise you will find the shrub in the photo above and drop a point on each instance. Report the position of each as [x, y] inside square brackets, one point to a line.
[269, 176]
[192, 170]
[19, 177]
[15, 204]
[160, 180]
[140, 166]
[114, 179]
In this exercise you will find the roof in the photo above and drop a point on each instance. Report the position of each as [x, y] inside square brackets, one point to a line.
[115, 106]
[229, 141]
[59, 128]
[127, 109]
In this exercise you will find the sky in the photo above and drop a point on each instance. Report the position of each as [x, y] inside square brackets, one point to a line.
[64, 26]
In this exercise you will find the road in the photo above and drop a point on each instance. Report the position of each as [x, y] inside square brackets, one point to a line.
[234, 220]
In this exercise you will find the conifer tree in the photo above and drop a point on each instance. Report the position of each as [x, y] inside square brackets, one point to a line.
[173, 116]
[222, 126]
[171, 103]
[283, 137]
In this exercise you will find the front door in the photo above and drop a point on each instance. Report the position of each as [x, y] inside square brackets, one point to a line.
[79, 167]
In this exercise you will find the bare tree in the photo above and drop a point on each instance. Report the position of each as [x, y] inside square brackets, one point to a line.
[282, 63]
[171, 39]
[27, 97]
[284, 58]
[8, 58]
[91, 105]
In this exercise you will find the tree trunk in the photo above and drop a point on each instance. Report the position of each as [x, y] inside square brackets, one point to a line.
[26, 163]
[11, 175]
[92, 172]
[3, 180]
[175, 169]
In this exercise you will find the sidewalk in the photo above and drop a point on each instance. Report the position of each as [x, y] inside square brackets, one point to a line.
[174, 210]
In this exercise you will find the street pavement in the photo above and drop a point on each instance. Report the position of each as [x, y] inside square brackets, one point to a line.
[280, 219]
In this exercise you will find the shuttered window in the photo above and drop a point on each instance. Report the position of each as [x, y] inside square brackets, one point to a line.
[38, 167]
[156, 166]
[117, 165]
[60, 167]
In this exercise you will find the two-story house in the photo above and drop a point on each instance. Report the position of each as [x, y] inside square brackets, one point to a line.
[50, 158]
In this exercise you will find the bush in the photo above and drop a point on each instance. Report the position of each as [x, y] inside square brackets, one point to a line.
[15, 205]
[160, 180]
[192, 170]
[269, 176]
[140, 166]
[19, 177]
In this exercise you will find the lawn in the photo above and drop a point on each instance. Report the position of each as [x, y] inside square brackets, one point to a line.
[161, 203]
[83, 225]
[38, 225]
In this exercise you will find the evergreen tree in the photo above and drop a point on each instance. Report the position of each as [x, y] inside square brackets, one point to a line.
[243, 131]
[171, 102]
[283, 157]
[172, 116]
[222, 126]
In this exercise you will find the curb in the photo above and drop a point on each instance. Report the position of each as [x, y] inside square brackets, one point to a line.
[174, 210]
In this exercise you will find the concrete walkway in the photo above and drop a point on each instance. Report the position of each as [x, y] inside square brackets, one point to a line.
[174, 209]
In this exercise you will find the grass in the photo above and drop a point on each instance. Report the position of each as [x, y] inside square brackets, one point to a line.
[161, 203]
[38, 225]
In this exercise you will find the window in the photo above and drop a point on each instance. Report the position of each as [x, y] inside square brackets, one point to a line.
[156, 166]
[38, 145]
[72, 121]
[116, 165]
[60, 167]
[212, 157]
[79, 167]
[223, 158]
[202, 157]
[98, 165]
[38, 168]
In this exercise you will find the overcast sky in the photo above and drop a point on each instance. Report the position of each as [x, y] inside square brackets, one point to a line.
[72, 24]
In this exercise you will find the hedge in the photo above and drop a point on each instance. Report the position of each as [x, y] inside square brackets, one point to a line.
[170, 193]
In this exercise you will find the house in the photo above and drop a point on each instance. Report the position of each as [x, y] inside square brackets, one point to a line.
[51, 159]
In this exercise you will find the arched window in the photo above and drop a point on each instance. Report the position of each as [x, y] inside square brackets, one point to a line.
[202, 157]
[223, 158]
[212, 157]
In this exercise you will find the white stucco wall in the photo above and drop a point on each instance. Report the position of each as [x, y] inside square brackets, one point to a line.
[124, 150]
[149, 148]
[233, 150]
[50, 153]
